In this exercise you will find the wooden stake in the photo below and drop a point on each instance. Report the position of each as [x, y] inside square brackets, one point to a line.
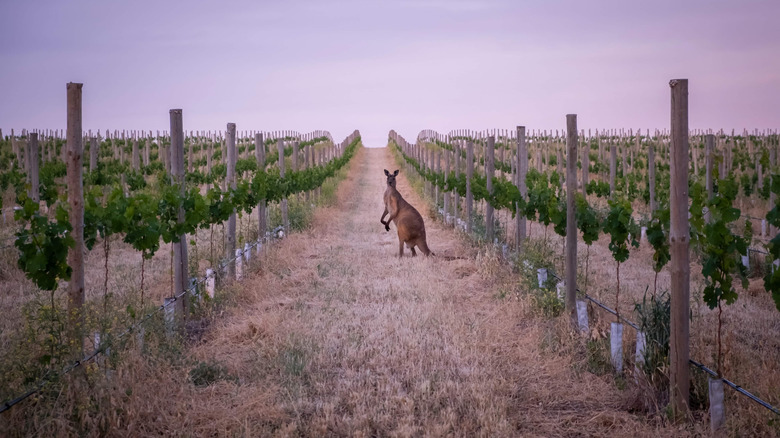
[469, 175]
[33, 158]
[76, 201]
[571, 221]
[679, 236]
[522, 170]
[651, 175]
[585, 165]
[260, 157]
[709, 145]
[180, 260]
[136, 155]
[283, 206]
[489, 170]
[230, 182]
[612, 169]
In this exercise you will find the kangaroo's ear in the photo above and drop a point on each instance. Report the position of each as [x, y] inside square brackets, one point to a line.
[396, 172]
[387, 173]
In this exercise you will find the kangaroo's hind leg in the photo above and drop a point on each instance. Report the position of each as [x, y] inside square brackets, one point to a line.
[400, 248]
[414, 253]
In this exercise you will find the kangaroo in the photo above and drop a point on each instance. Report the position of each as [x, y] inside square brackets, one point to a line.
[408, 221]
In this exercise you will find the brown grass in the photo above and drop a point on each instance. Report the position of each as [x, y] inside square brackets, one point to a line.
[336, 336]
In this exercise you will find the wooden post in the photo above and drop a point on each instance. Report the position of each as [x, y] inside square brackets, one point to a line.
[469, 175]
[260, 157]
[571, 221]
[651, 175]
[585, 165]
[190, 156]
[624, 163]
[559, 167]
[180, 261]
[539, 159]
[33, 158]
[230, 183]
[679, 351]
[601, 147]
[136, 155]
[283, 204]
[489, 170]
[208, 161]
[306, 165]
[437, 169]
[456, 209]
[76, 201]
[94, 149]
[612, 169]
[709, 145]
[772, 196]
[122, 150]
[522, 170]
[446, 176]
[295, 157]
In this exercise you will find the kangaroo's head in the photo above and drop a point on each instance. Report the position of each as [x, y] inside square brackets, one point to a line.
[391, 178]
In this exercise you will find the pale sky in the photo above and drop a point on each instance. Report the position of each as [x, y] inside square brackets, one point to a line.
[381, 65]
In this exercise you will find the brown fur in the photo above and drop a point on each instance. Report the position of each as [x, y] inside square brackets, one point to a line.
[408, 221]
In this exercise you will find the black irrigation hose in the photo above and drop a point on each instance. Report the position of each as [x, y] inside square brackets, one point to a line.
[704, 368]
[43, 382]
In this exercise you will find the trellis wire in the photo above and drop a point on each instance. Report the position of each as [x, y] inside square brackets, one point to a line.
[704, 368]
[105, 346]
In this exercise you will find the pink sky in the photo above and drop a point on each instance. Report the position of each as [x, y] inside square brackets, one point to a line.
[376, 66]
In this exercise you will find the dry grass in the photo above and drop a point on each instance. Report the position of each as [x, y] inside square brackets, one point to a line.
[336, 336]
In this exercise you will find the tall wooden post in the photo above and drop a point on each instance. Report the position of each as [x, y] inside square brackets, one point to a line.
[260, 157]
[180, 262]
[624, 163]
[76, 201]
[489, 170]
[651, 175]
[283, 206]
[230, 182]
[208, 161]
[522, 170]
[295, 157]
[469, 175]
[612, 169]
[679, 235]
[559, 166]
[190, 155]
[136, 155]
[571, 221]
[33, 157]
[709, 145]
[437, 169]
[772, 196]
[147, 146]
[585, 165]
[447, 195]
[94, 149]
[456, 209]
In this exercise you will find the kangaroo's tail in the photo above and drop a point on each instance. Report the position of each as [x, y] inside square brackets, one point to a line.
[424, 248]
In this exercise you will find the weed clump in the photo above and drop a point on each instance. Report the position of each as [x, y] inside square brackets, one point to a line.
[208, 373]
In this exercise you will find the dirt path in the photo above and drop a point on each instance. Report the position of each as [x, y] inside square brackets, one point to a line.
[337, 336]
